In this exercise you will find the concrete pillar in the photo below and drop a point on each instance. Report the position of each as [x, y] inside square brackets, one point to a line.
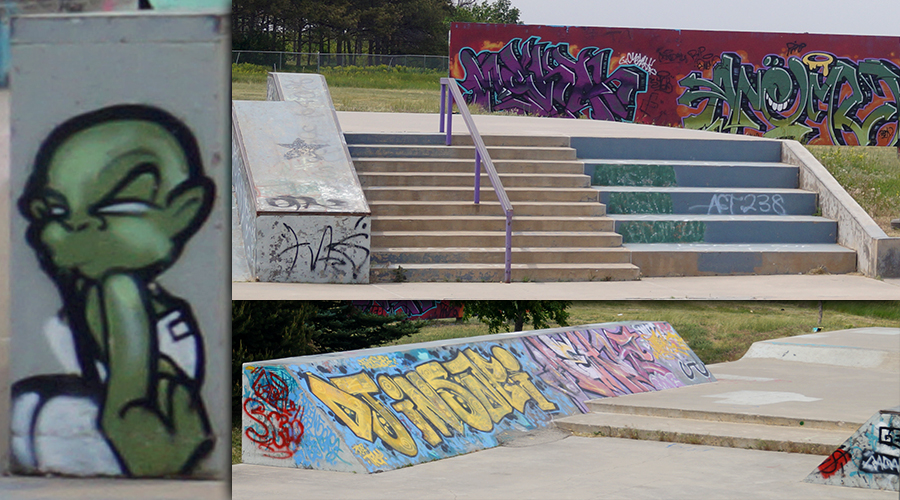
[119, 235]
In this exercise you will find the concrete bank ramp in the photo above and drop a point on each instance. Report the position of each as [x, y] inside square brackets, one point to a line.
[869, 459]
[381, 409]
[303, 214]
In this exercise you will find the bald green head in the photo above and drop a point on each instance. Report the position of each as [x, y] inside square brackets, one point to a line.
[119, 190]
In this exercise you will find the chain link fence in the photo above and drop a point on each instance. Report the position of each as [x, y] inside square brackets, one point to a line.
[312, 61]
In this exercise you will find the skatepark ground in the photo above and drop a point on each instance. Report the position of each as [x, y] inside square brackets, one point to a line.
[845, 376]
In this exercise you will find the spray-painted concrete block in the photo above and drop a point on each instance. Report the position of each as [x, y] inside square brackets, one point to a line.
[302, 210]
[380, 409]
[869, 459]
[119, 232]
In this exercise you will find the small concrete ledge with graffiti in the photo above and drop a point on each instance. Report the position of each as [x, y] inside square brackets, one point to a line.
[868, 459]
[380, 409]
[302, 212]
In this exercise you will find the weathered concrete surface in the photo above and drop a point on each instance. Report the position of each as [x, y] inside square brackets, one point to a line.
[773, 287]
[46, 488]
[302, 211]
[381, 409]
[878, 254]
[870, 458]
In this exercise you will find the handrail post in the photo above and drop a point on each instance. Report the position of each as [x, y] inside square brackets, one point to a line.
[449, 116]
[443, 97]
[477, 176]
[508, 262]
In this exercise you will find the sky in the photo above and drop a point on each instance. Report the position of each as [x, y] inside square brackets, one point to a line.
[846, 17]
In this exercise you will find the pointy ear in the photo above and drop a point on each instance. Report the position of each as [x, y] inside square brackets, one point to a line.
[189, 205]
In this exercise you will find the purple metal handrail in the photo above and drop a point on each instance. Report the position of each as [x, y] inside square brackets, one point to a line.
[481, 153]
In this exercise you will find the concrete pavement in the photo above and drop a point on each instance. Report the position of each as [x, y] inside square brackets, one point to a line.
[776, 287]
[841, 378]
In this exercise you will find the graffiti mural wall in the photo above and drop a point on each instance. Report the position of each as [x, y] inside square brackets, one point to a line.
[818, 89]
[118, 238]
[869, 459]
[413, 309]
[385, 408]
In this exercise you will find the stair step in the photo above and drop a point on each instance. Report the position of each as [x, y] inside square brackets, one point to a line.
[496, 152]
[814, 441]
[489, 223]
[705, 259]
[460, 208]
[622, 407]
[464, 165]
[372, 179]
[691, 174]
[494, 239]
[495, 272]
[710, 201]
[457, 139]
[686, 228]
[555, 255]
[446, 193]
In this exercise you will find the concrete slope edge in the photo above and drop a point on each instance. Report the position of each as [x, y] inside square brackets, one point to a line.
[385, 408]
[878, 255]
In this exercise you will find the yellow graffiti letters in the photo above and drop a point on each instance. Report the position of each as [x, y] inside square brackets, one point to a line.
[354, 413]
[340, 398]
[374, 457]
[478, 384]
[463, 402]
[373, 362]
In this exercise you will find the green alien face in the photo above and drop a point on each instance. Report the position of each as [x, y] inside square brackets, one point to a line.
[116, 197]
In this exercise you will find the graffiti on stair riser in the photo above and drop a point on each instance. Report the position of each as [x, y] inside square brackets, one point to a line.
[403, 407]
[817, 95]
[817, 89]
[738, 204]
[545, 79]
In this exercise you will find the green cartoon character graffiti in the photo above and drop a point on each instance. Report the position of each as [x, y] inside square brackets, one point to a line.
[111, 202]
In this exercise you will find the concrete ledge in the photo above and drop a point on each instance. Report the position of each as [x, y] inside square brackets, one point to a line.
[390, 407]
[878, 254]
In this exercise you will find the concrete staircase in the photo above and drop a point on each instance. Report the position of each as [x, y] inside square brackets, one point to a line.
[703, 217]
[732, 430]
[425, 226]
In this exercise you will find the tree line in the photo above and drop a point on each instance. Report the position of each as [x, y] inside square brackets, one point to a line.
[358, 26]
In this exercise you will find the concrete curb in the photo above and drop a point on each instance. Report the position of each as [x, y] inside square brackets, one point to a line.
[878, 255]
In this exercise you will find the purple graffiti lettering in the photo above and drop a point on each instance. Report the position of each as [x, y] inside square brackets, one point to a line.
[541, 78]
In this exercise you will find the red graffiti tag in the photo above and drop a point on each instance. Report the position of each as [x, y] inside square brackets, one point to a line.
[834, 463]
[279, 430]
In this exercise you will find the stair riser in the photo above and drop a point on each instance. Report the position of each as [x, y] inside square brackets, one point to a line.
[736, 203]
[461, 152]
[749, 443]
[498, 241]
[540, 275]
[534, 195]
[485, 224]
[467, 166]
[457, 140]
[570, 210]
[692, 176]
[730, 231]
[499, 257]
[673, 264]
[465, 180]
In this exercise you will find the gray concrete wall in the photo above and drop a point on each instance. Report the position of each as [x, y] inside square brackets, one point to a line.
[177, 65]
[877, 253]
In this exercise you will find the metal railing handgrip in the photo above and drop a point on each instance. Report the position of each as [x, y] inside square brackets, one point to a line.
[481, 156]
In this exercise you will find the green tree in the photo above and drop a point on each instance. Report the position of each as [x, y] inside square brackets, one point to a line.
[262, 330]
[499, 12]
[500, 313]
